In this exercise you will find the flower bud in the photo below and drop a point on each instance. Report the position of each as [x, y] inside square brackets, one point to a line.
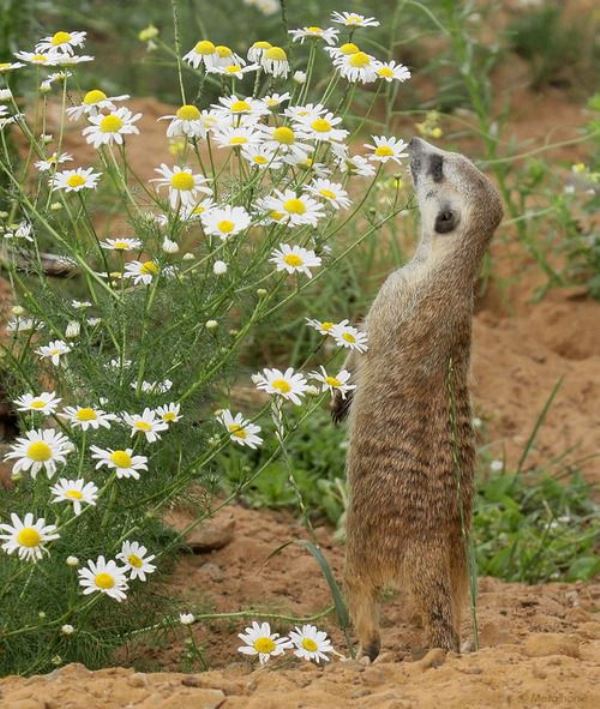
[72, 561]
[67, 629]
[299, 77]
[211, 325]
[261, 292]
[219, 268]
[169, 246]
[73, 330]
[56, 206]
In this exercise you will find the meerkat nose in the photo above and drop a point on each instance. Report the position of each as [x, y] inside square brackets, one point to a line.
[416, 145]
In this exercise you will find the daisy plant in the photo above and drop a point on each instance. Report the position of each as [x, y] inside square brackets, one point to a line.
[115, 374]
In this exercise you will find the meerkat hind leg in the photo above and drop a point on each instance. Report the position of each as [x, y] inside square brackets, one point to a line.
[364, 611]
[428, 573]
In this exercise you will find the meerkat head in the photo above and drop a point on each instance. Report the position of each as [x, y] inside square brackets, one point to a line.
[460, 208]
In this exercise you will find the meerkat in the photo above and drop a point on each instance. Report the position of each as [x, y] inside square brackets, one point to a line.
[411, 451]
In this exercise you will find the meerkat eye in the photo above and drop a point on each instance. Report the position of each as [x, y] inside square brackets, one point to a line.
[445, 221]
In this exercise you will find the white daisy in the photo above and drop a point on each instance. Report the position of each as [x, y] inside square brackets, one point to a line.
[236, 71]
[353, 19]
[154, 387]
[324, 327]
[261, 157]
[104, 576]
[236, 137]
[169, 413]
[123, 461]
[141, 271]
[258, 640]
[225, 221]
[37, 58]
[356, 165]
[257, 51]
[390, 71]
[289, 384]
[329, 35]
[52, 161]
[226, 56]
[121, 244]
[85, 417]
[61, 42]
[203, 52]
[44, 403]
[286, 142]
[184, 186]
[92, 102]
[387, 149]
[111, 127]
[274, 61]
[54, 351]
[20, 324]
[294, 210]
[136, 560]
[349, 337]
[186, 121]
[27, 537]
[146, 423]
[323, 127]
[271, 101]
[5, 67]
[295, 259]
[76, 492]
[118, 364]
[331, 192]
[76, 180]
[39, 449]
[186, 618]
[194, 213]
[307, 112]
[81, 304]
[22, 230]
[311, 643]
[358, 66]
[333, 383]
[240, 429]
[235, 107]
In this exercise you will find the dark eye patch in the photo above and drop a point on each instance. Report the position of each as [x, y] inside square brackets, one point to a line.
[436, 167]
[446, 221]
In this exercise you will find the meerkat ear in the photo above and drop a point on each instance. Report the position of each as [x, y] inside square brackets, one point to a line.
[446, 221]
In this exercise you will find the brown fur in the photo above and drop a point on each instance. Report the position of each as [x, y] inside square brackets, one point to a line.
[411, 455]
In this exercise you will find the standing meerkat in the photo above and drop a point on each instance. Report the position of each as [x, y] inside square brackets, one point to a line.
[411, 454]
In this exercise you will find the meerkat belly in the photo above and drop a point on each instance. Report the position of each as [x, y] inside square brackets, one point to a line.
[410, 460]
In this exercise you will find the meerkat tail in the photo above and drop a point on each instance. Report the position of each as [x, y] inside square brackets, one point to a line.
[49, 264]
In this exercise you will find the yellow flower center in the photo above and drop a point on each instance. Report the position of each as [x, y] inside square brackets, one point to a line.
[284, 135]
[75, 180]
[333, 381]
[294, 206]
[86, 414]
[110, 124]
[4, 66]
[314, 30]
[94, 96]
[29, 537]
[276, 54]
[60, 38]
[277, 216]
[349, 48]
[204, 47]
[281, 385]
[169, 417]
[385, 72]
[223, 51]
[309, 644]
[39, 58]
[260, 160]
[264, 645]
[349, 338]
[121, 245]
[143, 426]
[121, 459]
[37, 404]
[327, 326]
[238, 140]
[188, 113]
[74, 494]
[226, 226]
[359, 60]
[293, 260]
[271, 102]
[353, 19]
[240, 106]
[104, 580]
[39, 451]
[383, 151]
[54, 351]
[134, 560]
[233, 68]
[149, 268]
[328, 194]
[183, 181]
[321, 125]
[236, 430]
[262, 45]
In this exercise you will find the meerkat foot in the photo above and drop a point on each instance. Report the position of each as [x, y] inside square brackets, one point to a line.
[369, 651]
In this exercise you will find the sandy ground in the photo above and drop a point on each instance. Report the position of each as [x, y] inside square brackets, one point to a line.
[540, 646]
